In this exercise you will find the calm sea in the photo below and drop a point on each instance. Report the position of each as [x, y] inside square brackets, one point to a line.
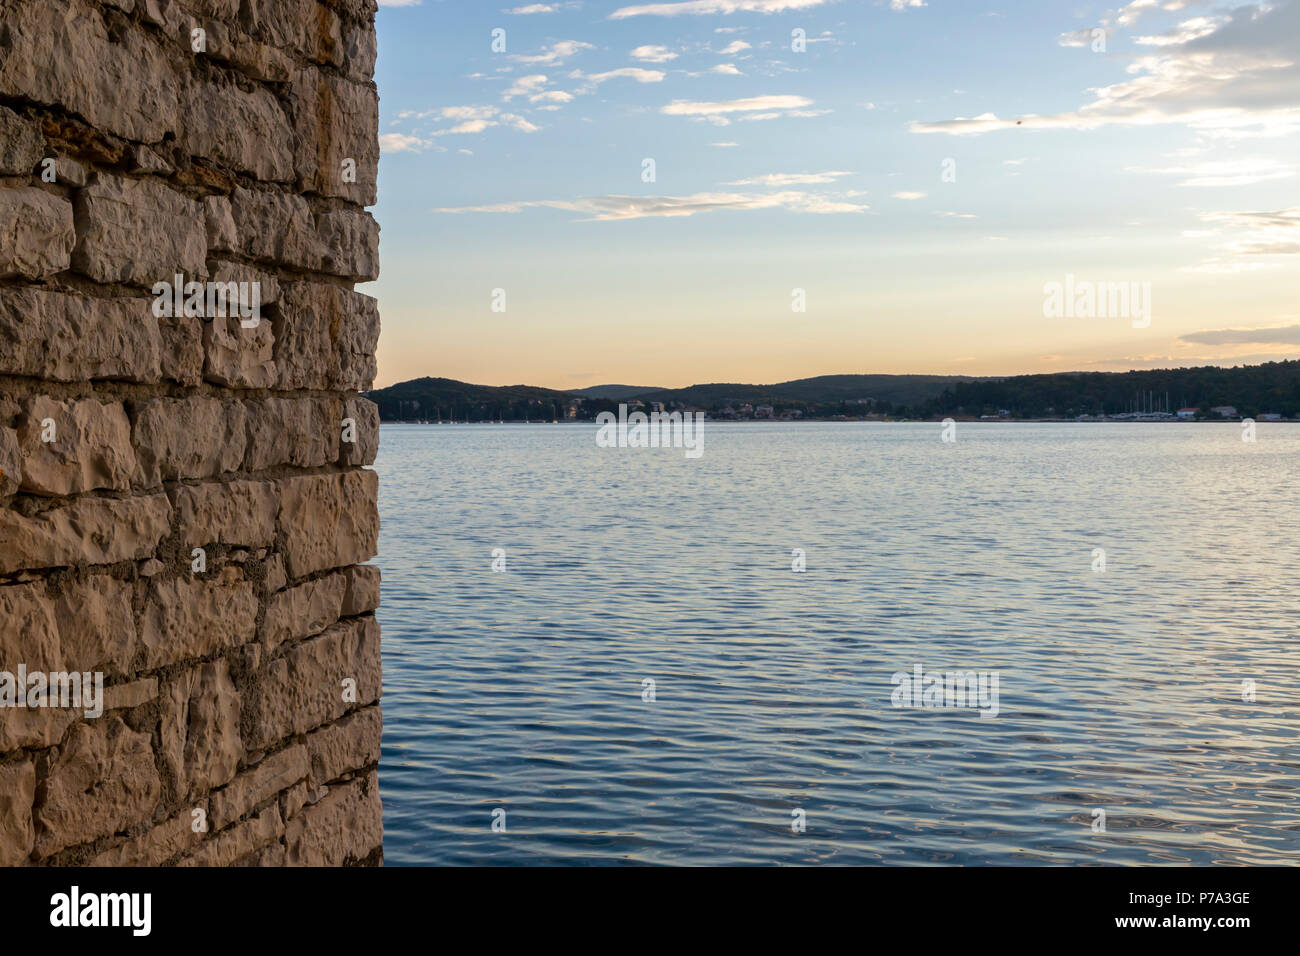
[1120, 690]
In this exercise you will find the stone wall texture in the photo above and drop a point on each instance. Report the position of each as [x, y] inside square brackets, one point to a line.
[185, 502]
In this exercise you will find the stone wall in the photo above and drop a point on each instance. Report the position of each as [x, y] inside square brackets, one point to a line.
[184, 502]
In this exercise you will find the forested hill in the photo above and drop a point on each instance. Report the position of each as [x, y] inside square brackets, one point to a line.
[1252, 389]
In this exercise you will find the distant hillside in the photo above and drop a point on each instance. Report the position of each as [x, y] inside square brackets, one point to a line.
[1251, 389]
[442, 399]
[822, 390]
[615, 392]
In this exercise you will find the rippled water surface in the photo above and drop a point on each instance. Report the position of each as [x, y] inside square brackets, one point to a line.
[1120, 690]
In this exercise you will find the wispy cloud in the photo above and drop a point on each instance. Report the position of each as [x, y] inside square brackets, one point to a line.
[556, 53]
[766, 107]
[908, 195]
[1232, 172]
[653, 54]
[1281, 335]
[533, 8]
[610, 208]
[706, 7]
[790, 179]
[402, 143]
[1241, 78]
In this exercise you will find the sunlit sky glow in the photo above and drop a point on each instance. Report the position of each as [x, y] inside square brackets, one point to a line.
[1169, 157]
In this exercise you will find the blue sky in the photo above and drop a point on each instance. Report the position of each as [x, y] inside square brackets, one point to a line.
[919, 170]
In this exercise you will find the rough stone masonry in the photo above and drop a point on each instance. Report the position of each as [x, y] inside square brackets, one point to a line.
[184, 497]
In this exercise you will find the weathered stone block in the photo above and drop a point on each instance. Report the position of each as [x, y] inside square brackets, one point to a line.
[84, 531]
[188, 438]
[11, 463]
[352, 743]
[102, 780]
[60, 53]
[199, 729]
[36, 233]
[306, 687]
[326, 337]
[138, 231]
[350, 238]
[275, 227]
[91, 446]
[363, 589]
[305, 26]
[158, 845]
[68, 338]
[182, 349]
[17, 794]
[303, 432]
[234, 513]
[187, 617]
[229, 846]
[364, 415]
[303, 611]
[238, 356]
[329, 521]
[336, 152]
[346, 826]
[277, 772]
[21, 144]
[245, 130]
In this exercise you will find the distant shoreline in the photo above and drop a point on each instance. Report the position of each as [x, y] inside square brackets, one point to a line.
[908, 421]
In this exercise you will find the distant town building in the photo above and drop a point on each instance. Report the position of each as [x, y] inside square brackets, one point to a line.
[763, 411]
[1187, 412]
[1225, 411]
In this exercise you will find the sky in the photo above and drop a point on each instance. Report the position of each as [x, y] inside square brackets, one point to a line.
[661, 194]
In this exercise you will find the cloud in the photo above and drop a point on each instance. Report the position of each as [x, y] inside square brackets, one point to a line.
[726, 69]
[653, 54]
[541, 8]
[898, 5]
[705, 7]
[471, 119]
[734, 47]
[790, 179]
[399, 3]
[627, 72]
[1282, 219]
[525, 86]
[1256, 234]
[1233, 172]
[556, 53]
[724, 145]
[1129, 14]
[1282, 335]
[1242, 79]
[758, 107]
[1186, 32]
[611, 208]
[1078, 38]
[401, 143]
[908, 195]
